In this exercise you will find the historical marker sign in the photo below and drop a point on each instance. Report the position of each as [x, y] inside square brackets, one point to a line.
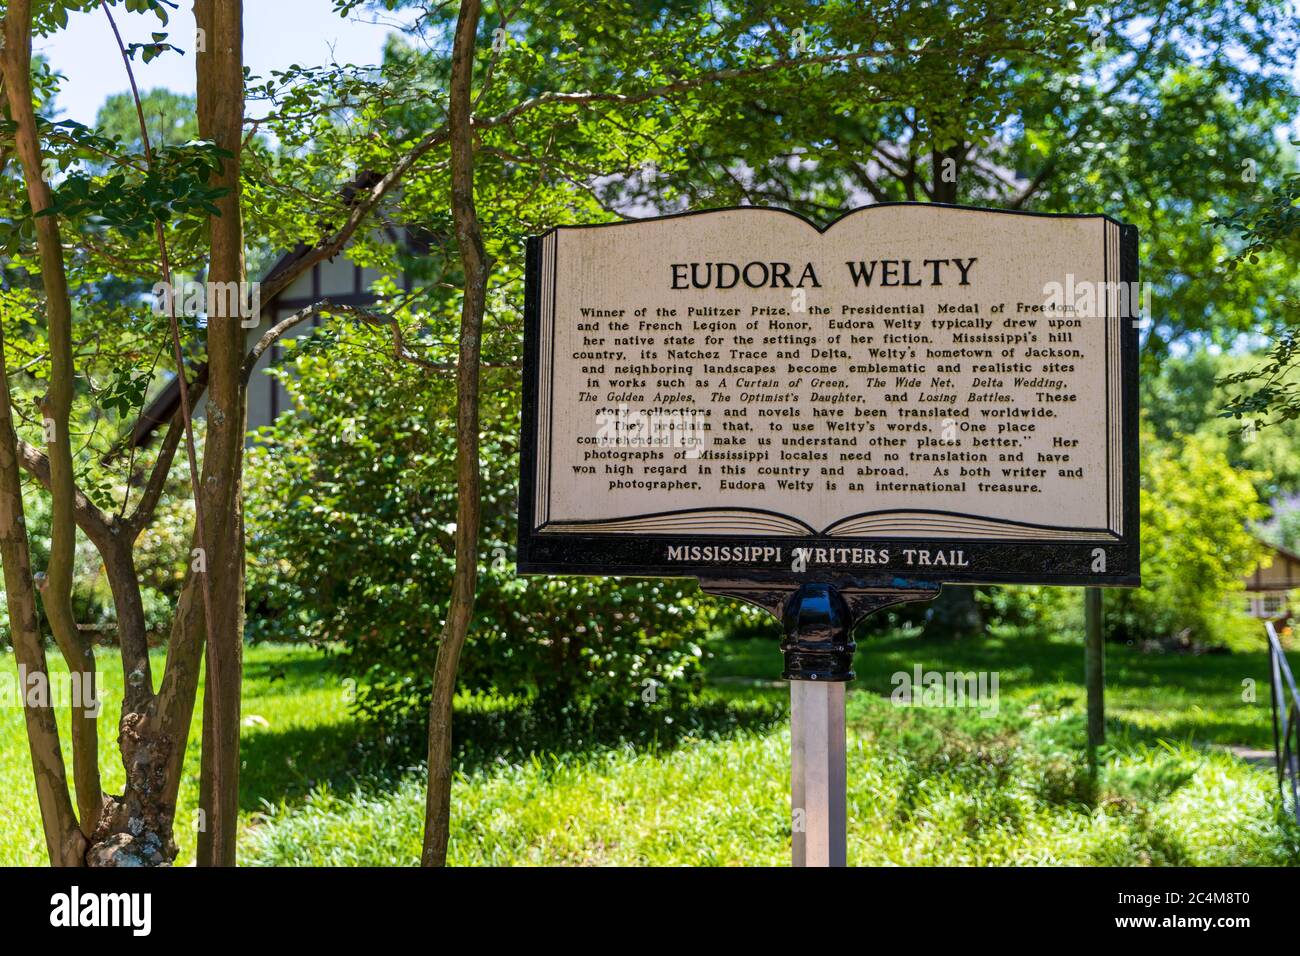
[916, 394]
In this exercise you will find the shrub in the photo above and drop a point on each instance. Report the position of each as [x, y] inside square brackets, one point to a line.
[1047, 609]
[1196, 547]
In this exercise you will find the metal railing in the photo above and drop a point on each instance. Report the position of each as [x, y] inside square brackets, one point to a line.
[1286, 721]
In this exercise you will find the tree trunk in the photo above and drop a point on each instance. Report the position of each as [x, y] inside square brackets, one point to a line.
[56, 408]
[469, 237]
[221, 119]
[945, 169]
[134, 829]
[954, 614]
[64, 842]
[1094, 671]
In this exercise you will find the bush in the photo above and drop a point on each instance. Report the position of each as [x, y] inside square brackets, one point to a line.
[1031, 606]
[1197, 510]
[351, 511]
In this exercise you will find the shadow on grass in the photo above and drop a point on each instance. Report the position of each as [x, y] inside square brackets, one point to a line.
[285, 765]
[1245, 733]
[1203, 698]
[297, 667]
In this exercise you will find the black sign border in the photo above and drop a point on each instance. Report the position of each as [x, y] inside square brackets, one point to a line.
[1057, 563]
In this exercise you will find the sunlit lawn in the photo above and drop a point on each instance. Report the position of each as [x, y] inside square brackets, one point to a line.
[927, 786]
[291, 689]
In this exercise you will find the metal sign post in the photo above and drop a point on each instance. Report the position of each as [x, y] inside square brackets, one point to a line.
[819, 619]
[818, 774]
[818, 651]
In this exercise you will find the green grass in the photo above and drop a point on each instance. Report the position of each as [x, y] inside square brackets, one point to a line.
[306, 728]
[1197, 698]
[926, 785]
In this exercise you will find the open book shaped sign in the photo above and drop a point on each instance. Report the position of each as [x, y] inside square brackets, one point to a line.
[915, 394]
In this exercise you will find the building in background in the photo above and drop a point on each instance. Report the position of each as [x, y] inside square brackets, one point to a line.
[1269, 586]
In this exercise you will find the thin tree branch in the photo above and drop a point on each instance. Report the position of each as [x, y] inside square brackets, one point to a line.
[153, 489]
[97, 525]
[275, 332]
[329, 248]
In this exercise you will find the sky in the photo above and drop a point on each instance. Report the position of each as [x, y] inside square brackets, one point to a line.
[277, 33]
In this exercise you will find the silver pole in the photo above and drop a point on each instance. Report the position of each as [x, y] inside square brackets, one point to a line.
[818, 775]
